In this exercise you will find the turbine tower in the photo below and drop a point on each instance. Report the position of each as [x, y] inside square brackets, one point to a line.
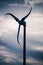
[23, 23]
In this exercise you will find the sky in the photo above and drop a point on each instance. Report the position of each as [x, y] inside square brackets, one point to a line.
[10, 50]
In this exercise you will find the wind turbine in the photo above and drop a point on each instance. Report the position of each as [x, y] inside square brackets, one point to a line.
[23, 23]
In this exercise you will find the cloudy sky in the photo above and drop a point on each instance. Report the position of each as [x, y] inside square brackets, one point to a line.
[10, 50]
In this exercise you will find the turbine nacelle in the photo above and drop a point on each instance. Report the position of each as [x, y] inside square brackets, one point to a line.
[23, 23]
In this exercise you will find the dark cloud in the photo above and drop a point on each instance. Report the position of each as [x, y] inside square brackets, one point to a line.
[35, 54]
[6, 4]
[16, 63]
[12, 1]
[8, 56]
[14, 49]
[38, 55]
[10, 46]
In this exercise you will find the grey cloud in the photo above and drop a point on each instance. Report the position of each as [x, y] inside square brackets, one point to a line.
[16, 50]
[4, 4]
[35, 2]
[6, 55]
[39, 5]
[9, 56]
[12, 1]
[38, 55]
[32, 52]
[34, 40]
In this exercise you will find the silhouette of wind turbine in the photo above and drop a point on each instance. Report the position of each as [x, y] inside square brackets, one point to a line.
[21, 22]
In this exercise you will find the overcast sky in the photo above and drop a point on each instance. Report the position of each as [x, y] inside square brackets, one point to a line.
[9, 28]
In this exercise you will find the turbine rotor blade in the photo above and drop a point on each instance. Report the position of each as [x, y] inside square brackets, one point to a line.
[13, 16]
[26, 15]
[18, 34]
